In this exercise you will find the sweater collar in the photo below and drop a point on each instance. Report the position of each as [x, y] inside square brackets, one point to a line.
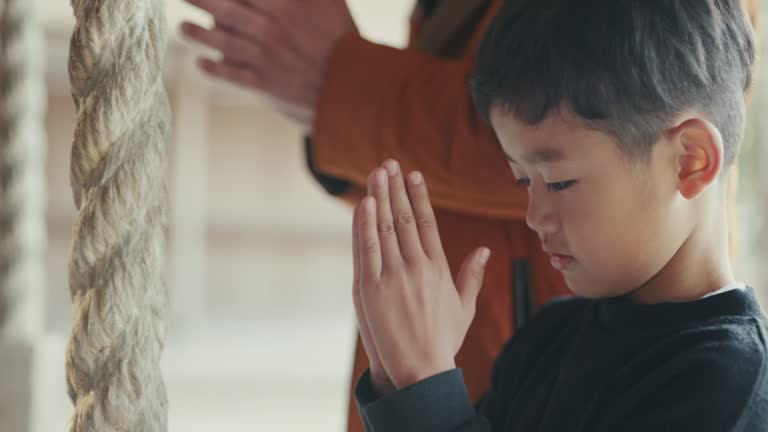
[621, 313]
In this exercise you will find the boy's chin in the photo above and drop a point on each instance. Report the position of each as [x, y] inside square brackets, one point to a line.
[590, 290]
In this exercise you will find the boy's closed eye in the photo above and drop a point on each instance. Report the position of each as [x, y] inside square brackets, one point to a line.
[552, 187]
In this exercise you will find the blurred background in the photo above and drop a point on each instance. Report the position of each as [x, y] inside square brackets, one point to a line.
[259, 267]
[262, 324]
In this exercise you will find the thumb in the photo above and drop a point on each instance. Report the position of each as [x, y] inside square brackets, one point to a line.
[470, 278]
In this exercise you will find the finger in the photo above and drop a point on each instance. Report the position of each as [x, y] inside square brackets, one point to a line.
[236, 15]
[228, 42]
[362, 320]
[227, 25]
[245, 76]
[357, 259]
[356, 251]
[266, 6]
[470, 278]
[390, 249]
[425, 217]
[223, 25]
[370, 248]
[227, 70]
[407, 234]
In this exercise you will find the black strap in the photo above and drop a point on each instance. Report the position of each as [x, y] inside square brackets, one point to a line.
[333, 185]
[522, 300]
[427, 6]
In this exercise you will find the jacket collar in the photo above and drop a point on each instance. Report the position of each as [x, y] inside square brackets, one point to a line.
[448, 18]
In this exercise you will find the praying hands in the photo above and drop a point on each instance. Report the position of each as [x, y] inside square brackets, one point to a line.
[411, 316]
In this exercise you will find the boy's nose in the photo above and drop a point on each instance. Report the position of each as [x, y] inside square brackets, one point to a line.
[540, 217]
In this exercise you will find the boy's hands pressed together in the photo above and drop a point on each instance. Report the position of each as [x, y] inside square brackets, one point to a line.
[412, 317]
[379, 378]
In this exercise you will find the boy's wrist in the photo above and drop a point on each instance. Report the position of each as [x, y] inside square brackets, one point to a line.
[408, 379]
[381, 384]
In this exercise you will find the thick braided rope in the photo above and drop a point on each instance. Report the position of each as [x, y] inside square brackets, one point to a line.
[22, 165]
[116, 259]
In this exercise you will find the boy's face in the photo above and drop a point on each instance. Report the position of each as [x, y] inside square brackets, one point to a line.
[611, 225]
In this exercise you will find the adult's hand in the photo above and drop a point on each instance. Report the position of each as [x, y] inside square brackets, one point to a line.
[416, 316]
[279, 48]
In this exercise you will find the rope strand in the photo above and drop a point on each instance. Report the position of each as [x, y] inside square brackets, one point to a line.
[117, 176]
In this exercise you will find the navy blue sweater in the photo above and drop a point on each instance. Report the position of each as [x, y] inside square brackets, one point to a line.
[604, 365]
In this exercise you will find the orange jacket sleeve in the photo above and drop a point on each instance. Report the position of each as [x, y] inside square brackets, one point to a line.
[379, 102]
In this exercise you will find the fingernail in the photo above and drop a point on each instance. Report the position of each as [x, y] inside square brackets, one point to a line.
[369, 203]
[381, 178]
[415, 177]
[485, 253]
[392, 167]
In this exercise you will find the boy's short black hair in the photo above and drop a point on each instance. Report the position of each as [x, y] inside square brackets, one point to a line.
[626, 67]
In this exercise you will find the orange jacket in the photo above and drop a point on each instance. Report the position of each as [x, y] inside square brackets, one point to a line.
[379, 102]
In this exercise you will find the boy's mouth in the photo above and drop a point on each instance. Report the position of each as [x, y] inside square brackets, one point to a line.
[560, 262]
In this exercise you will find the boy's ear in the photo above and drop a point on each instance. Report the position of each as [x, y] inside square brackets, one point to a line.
[700, 155]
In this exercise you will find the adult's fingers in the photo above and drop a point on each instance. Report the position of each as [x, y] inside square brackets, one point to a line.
[236, 15]
[231, 44]
[228, 70]
[267, 6]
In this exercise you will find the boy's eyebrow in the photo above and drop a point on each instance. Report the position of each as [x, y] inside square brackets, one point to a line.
[542, 155]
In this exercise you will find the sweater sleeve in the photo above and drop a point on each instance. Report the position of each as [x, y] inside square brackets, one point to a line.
[437, 404]
[379, 102]
[441, 404]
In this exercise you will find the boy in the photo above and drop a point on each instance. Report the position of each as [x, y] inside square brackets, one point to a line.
[593, 102]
